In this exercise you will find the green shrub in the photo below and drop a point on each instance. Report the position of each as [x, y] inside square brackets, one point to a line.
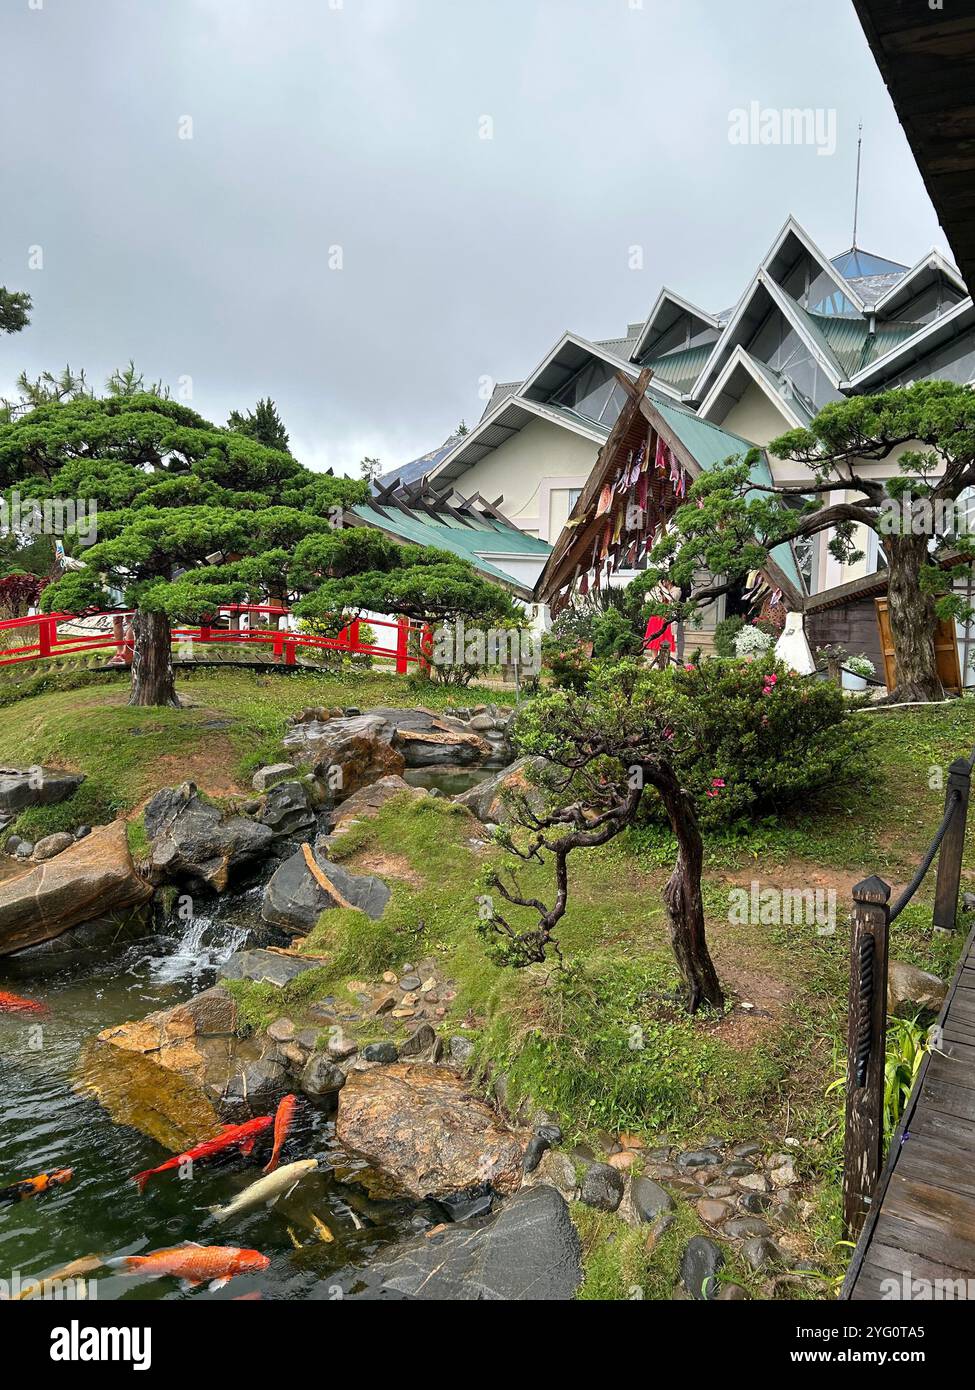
[568, 659]
[757, 740]
[724, 636]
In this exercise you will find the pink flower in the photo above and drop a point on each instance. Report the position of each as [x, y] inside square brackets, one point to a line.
[688, 666]
[717, 781]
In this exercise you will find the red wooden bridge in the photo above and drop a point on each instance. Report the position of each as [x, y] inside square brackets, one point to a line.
[409, 642]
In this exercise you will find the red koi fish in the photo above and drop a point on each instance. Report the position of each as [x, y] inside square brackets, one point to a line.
[282, 1126]
[30, 1187]
[194, 1264]
[14, 1004]
[242, 1136]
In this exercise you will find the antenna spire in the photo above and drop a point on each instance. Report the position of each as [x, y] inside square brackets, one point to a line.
[856, 195]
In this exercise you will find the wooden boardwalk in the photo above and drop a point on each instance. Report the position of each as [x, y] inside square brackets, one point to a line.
[921, 1225]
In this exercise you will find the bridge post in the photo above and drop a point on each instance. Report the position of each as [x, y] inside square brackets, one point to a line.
[46, 632]
[352, 633]
[864, 1136]
[952, 847]
[402, 645]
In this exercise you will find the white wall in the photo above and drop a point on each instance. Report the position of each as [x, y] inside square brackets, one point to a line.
[533, 471]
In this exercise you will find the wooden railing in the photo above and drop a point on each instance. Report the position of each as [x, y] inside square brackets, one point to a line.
[863, 1153]
[411, 642]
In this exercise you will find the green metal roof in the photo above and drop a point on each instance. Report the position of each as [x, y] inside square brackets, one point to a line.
[483, 536]
[710, 446]
[851, 342]
[681, 368]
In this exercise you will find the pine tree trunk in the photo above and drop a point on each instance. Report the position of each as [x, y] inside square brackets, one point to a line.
[685, 904]
[153, 682]
[913, 621]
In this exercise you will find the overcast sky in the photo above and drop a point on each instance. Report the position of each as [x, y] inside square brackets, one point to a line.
[339, 234]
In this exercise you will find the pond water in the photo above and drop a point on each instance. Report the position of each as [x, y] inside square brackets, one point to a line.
[450, 781]
[46, 1123]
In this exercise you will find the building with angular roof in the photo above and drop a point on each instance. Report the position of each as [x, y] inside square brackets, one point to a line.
[807, 329]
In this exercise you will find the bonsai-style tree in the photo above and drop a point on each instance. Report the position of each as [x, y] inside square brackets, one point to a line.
[924, 434]
[606, 748]
[191, 517]
[181, 506]
[359, 570]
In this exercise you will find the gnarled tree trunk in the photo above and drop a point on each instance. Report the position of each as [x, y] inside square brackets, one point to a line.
[685, 904]
[153, 682]
[913, 621]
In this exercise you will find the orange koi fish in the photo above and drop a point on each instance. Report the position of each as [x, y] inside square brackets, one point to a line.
[194, 1264]
[231, 1136]
[282, 1126]
[30, 1187]
[14, 1004]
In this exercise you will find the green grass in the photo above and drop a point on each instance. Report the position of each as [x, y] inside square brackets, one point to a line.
[82, 722]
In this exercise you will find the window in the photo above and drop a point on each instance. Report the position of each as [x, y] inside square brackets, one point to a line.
[593, 392]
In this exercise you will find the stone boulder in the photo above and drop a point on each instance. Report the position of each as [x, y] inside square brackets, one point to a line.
[366, 803]
[266, 967]
[425, 1133]
[35, 786]
[93, 878]
[488, 800]
[527, 1252]
[349, 752]
[50, 845]
[265, 777]
[910, 990]
[294, 899]
[287, 809]
[178, 1074]
[355, 750]
[195, 843]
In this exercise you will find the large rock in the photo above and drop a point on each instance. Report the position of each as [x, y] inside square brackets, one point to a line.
[529, 1251]
[287, 809]
[910, 989]
[354, 750]
[366, 803]
[266, 967]
[194, 843]
[94, 878]
[348, 753]
[35, 786]
[294, 899]
[488, 800]
[179, 1073]
[419, 1125]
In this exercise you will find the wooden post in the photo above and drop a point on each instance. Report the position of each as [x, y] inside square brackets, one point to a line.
[864, 1140]
[402, 645]
[952, 847]
[46, 635]
[353, 634]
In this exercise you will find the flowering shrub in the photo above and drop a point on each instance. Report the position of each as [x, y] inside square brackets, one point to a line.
[861, 666]
[754, 739]
[751, 642]
[568, 659]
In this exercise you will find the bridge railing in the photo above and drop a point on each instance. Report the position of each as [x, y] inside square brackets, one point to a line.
[405, 641]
